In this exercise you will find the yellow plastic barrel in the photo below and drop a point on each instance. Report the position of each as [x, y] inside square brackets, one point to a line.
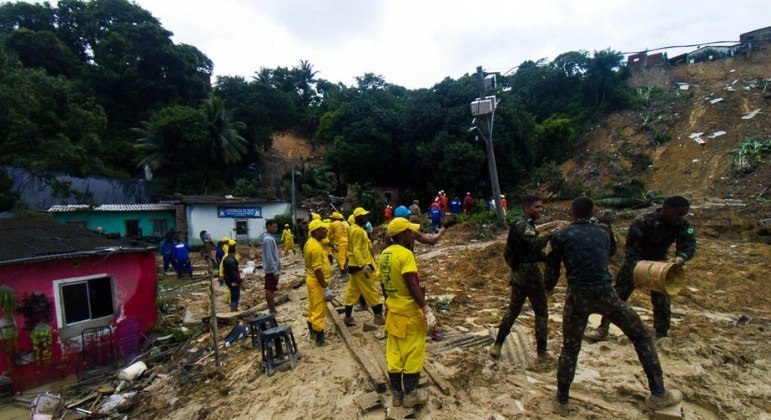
[659, 276]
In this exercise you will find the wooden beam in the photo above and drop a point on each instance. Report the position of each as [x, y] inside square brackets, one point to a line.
[229, 317]
[440, 382]
[359, 352]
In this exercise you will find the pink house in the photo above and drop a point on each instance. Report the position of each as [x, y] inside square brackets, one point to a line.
[91, 300]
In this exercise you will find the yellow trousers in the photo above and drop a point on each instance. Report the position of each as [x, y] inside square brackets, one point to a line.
[361, 284]
[341, 255]
[317, 304]
[406, 344]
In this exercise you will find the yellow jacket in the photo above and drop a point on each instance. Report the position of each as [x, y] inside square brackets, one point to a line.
[338, 233]
[359, 248]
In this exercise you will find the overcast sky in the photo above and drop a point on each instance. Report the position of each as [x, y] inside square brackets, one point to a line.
[417, 43]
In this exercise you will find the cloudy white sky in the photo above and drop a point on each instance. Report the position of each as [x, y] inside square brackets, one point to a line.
[417, 43]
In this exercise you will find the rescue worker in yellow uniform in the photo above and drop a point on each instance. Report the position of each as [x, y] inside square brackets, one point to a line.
[338, 235]
[329, 246]
[318, 272]
[408, 317]
[361, 270]
[288, 239]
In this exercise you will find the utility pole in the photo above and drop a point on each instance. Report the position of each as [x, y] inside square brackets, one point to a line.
[486, 126]
[294, 200]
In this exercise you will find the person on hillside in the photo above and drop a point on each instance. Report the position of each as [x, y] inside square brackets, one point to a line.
[468, 203]
[456, 206]
[361, 271]
[415, 208]
[388, 213]
[167, 251]
[435, 213]
[443, 204]
[232, 277]
[408, 318]
[271, 263]
[318, 273]
[182, 258]
[649, 238]
[504, 204]
[523, 252]
[423, 238]
[288, 240]
[585, 249]
[338, 235]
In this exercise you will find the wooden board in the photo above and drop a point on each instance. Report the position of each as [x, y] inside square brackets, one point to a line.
[369, 402]
[230, 318]
[440, 382]
[361, 353]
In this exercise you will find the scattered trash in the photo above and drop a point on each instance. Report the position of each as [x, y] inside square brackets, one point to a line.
[743, 320]
[732, 70]
[730, 89]
[47, 406]
[239, 332]
[683, 86]
[751, 115]
[717, 134]
[695, 161]
[132, 372]
[716, 100]
[114, 401]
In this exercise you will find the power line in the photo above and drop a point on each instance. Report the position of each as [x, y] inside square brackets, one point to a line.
[681, 46]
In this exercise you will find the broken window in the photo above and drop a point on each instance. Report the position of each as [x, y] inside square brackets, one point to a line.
[86, 300]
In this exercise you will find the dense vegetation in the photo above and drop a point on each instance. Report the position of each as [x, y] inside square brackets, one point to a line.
[98, 88]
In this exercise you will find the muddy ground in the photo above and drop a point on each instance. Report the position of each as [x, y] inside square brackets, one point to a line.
[717, 353]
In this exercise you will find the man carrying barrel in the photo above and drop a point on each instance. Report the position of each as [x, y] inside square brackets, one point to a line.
[649, 238]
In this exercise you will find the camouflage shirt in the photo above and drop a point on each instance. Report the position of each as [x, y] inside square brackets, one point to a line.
[649, 238]
[524, 244]
[585, 248]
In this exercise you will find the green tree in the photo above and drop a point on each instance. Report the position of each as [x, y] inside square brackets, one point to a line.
[554, 140]
[225, 144]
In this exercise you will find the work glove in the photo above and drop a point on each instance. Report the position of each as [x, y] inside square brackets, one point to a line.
[679, 261]
[428, 317]
[328, 295]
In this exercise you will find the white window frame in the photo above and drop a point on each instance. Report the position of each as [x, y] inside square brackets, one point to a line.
[59, 299]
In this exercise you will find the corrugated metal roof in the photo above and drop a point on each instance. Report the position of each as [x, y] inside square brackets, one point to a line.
[135, 207]
[68, 207]
[111, 207]
[29, 240]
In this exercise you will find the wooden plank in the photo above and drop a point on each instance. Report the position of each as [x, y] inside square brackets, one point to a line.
[364, 357]
[440, 382]
[230, 317]
[87, 398]
[369, 401]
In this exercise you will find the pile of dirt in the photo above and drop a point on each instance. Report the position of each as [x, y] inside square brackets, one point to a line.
[655, 143]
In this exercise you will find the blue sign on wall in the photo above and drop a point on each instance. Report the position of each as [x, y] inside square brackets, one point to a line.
[240, 212]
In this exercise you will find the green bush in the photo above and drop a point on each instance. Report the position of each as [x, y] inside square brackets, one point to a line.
[749, 154]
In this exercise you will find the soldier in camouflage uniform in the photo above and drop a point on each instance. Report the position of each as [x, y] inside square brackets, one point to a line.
[585, 249]
[649, 238]
[524, 249]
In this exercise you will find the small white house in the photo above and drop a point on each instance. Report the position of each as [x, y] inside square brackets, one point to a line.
[239, 218]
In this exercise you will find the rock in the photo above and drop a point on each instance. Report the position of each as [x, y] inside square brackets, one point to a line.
[669, 413]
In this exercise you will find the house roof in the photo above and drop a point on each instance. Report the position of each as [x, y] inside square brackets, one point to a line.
[216, 199]
[33, 240]
[111, 207]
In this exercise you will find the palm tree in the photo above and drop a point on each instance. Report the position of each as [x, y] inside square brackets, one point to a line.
[305, 79]
[225, 143]
[264, 76]
[151, 143]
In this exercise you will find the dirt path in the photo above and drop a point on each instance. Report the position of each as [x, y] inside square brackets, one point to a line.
[717, 357]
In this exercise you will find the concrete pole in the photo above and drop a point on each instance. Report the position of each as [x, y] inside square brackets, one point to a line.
[487, 127]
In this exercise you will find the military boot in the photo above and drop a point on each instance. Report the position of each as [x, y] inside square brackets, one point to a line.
[667, 399]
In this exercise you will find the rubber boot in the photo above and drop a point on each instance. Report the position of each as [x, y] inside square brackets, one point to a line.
[600, 334]
[320, 339]
[312, 333]
[412, 396]
[379, 319]
[667, 399]
[396, 389]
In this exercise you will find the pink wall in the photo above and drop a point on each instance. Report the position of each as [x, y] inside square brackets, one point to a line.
[134, 295]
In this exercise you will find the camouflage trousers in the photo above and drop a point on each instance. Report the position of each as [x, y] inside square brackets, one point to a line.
[602, 299]
[527, 283]
[662, 310]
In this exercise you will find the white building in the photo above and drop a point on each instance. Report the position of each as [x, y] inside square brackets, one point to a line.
[239, 218]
